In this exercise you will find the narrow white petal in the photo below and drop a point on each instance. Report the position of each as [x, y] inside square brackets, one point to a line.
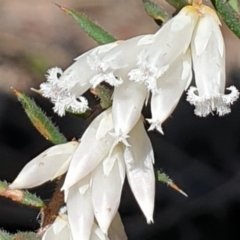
[89, 152]
[106, 192]
[45, 166]
[80, 212]
[139, 166]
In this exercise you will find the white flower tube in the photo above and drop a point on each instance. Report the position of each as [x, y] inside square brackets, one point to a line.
[65, 88]
[172, 40]
[79, 207]
[91, 150]
[46, 166]
[139, 167]
[208, 54]
[107, 185]
[170, 88]
[128, 100]
[116, 59]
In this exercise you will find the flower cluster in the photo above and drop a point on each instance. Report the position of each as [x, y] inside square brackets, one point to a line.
[160, 64]
[156, 68]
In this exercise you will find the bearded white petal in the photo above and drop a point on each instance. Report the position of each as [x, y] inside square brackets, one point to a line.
[48, 89]
[232, 96]
[80, 212]
[44, 167]
[128, 100]
[146, 72]
[139, 167]
[107, 77]
[102, 68]
[170, 88]
[89, 153]
[59, 230]
[155, 124]
[106, 193]
[116, 230]
[209, 67]
[70, 103]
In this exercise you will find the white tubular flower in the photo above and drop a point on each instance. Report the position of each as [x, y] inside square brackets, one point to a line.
[64, 89]
[95, 144]
[139, 167]
[108, 179]
[116, 231]
[59, 230]
[80, 210]
[208, 54]
[128, 93]
[170, 88]
[128, 100]
[115, 59]
[172, 40]
[48, 165]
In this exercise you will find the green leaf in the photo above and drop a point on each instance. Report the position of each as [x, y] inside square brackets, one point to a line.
[22, 197]
[178, 4]
[40, 121]
[229, 15]
[235, 5]
[92, 29]
[104, 94]
[163, 177]
[155, 11]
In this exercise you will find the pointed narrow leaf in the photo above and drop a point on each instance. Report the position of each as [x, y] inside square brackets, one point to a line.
[178, 4]
[155, 11]
[40, 121]
[23, 197]
[229, 15]
[91, 29]
[104, 94]
[163, 177]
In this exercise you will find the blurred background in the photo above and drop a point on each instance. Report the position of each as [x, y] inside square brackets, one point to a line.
[202, 155]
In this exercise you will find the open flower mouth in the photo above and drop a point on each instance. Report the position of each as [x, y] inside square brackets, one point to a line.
[219, 103]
